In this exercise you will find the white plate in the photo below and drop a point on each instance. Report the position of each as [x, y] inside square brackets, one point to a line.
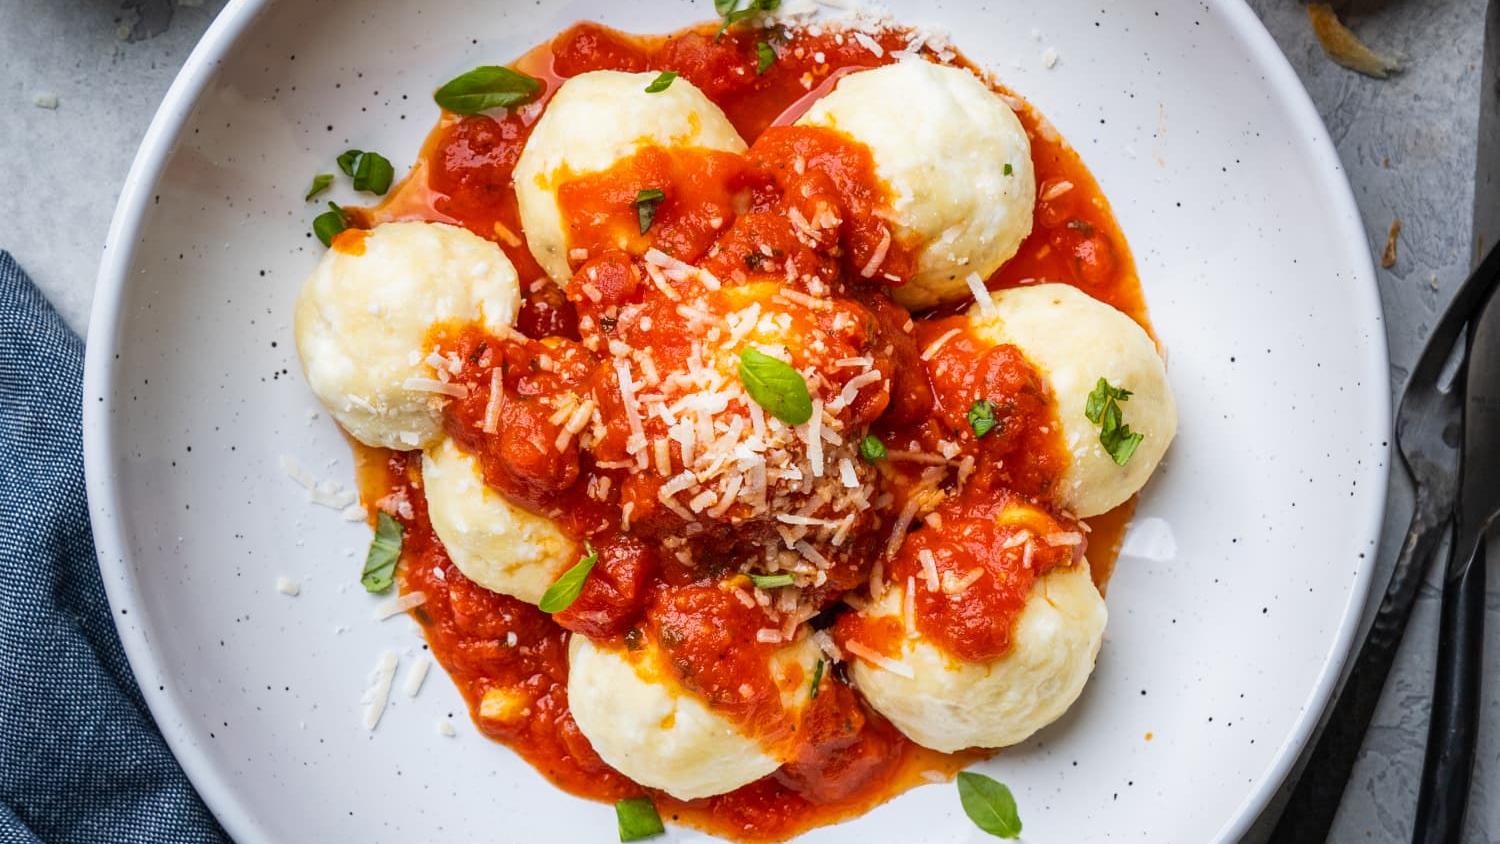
[1230, 616]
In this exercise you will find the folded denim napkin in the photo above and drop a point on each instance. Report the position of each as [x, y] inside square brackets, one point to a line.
[80, 758]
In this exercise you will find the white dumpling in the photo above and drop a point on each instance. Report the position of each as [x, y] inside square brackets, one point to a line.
[1073, 340]
[495, 543]
[363, 317]
[957, 163]
[642, 722]
[594, 121]
[949, 704]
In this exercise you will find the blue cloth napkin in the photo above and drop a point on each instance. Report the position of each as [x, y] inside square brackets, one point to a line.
[80, 758]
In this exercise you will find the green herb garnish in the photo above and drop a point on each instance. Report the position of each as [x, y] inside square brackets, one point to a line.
[771, 581]
[734, 11]
[775, 386]
[982, 417]
[767, 57]
[374, 174]
[566, 589]
[330, 223]
[871, 449]
[638, 819]
[320, 183]
[484, 88]
[385, 552]
[646, 203]
[347, 159]
[817, 680]
[989, 804]
[1009, 169]
[662, 82]
[1103, 409]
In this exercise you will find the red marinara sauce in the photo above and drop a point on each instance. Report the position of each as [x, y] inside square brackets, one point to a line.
[508, 658]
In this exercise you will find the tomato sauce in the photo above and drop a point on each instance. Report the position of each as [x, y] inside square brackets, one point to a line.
[728, 214]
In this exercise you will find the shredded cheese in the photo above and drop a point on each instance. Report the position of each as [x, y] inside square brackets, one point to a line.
[397, 606]
[379, 693]
[879, 660]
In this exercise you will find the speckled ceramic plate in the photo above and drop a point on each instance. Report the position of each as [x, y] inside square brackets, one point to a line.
[1231, 610]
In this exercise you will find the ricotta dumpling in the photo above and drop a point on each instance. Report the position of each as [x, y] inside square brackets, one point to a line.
[363, 317]
[495, 543]
[948, 704]
[642, 722]
[956, 162]
[594, 121]
[1073, 340]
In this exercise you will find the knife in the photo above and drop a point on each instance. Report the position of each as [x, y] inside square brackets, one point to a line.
[1454, 725]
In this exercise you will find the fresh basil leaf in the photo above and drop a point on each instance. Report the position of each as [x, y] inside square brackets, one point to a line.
[989, 804]
[484, 88]
[1009, 169]
[566, 589]
[732, 12]
[775, 386]
[320, 183]
[766, 55]
[1103, 409]
[347, 158]
[385, 552]
[1099, 399]
[330, 223]
[374, 174]
[871, 449]
[771, 581]
[982, 417]
[1123, 447]
[646, 203]
[662, 82]
[817, 680]
[638, 819]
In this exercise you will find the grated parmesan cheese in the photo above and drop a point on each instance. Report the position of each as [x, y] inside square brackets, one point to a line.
[378, 694]
[397, 606]
[879, 660]
[415, 675]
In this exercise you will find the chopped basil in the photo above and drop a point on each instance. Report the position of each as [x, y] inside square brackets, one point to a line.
[484, 88]
[646, 203]
[1009, 169]
[374, 174]
[871, 448]
[566, 589]
[320, 183]
[1103, 409]
[638, 819]
[662, 82]
[734, 11]
[989, 804]
[330, 223]
[347, 158]
[385, 551]
[771, 581]
[775, 386]
[982, 417]
[817, 680]
[766, 55]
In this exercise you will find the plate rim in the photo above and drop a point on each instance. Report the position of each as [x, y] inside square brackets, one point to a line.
[99, 453]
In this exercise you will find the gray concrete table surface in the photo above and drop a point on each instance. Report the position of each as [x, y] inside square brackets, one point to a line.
[1408, 144]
